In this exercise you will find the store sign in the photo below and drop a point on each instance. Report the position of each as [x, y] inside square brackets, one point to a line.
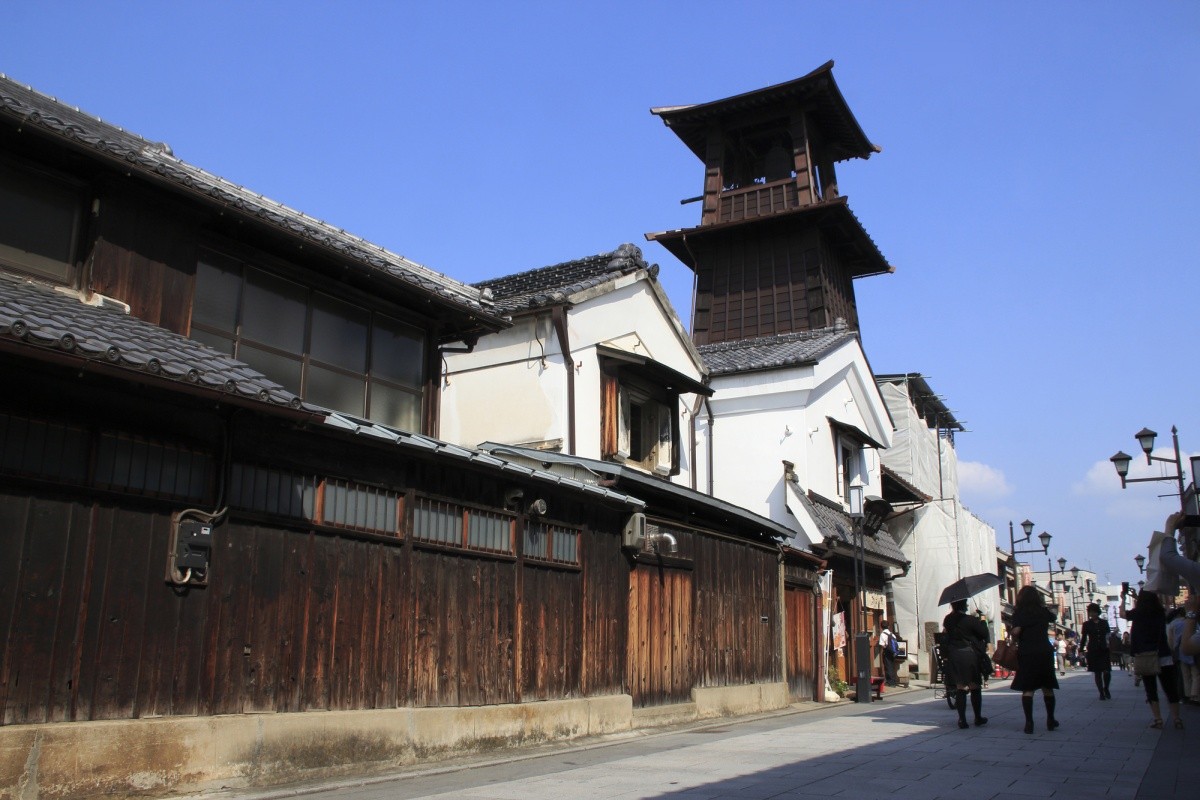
[875, 600]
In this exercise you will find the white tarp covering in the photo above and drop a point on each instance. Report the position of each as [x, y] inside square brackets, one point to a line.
[943, 540]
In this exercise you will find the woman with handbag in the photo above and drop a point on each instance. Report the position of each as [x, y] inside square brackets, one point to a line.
[1093, 641]
[1152, 660]
[966, 639]
[1035, 656]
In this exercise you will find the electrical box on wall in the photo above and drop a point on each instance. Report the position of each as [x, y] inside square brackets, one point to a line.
[190, 549]
[634, 535]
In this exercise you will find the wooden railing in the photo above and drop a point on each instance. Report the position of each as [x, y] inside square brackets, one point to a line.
[757, 200]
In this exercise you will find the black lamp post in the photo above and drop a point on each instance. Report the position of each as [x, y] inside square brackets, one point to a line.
[1140, 560]
[869, 516]
[1146, 438]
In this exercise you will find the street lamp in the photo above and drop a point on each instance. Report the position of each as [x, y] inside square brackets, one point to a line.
[1027, 526]
[1145, 438]
[1140, 560]
[869, 515]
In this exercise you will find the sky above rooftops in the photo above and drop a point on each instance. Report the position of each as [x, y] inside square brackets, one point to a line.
[1037, 189]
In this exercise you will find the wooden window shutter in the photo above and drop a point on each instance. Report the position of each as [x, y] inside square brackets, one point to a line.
[624, 415]
[664, 457]
[610, 405]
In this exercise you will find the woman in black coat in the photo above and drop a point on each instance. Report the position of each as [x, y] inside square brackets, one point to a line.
[1093, 641]
[966, 639]
[1030, 628]
[1148, 634]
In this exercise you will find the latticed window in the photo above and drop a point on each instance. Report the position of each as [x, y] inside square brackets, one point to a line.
[454, 525]
[553, 543]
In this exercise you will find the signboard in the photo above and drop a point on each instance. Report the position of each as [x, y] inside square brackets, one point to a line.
[875, 600]
[839, 631]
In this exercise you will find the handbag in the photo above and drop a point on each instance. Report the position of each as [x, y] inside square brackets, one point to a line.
[1146, 664]
[1005, 654]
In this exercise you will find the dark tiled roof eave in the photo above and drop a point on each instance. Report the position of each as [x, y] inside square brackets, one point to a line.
[773, 352]
[554, 285]
[838, 529]
[832, 216]
[39, 321]
[155, 161]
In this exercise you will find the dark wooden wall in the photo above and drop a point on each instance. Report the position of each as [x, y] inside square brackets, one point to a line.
[767, 282]
[737, 613]
[802, 643]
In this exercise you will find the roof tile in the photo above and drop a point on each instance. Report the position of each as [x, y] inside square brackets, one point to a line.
[773, 352]
[546, 286]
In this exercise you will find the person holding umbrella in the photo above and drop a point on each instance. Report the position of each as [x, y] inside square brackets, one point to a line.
[966, 638]
[1035, 656]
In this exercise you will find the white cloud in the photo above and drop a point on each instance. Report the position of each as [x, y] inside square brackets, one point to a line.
[979, 482]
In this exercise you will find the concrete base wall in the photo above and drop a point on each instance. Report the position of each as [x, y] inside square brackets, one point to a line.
[170, 755]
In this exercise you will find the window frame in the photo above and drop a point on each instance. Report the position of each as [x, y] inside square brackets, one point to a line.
[621, 394]
[34, 264]
[374, 386]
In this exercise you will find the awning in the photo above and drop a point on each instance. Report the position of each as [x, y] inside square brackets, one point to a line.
[652, 370]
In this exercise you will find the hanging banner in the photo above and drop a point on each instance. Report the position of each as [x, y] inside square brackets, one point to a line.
[875, 600]
[839, 631]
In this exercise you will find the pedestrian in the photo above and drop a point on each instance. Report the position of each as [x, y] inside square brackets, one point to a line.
[1189, 643]
[1114, 647]
[1185, 665]
[1094, 643]
[1172, 565]
[1031, 622]
[966, 639]
[1060, 653]
[1126, 656]
[1148, 643]
[888, 653]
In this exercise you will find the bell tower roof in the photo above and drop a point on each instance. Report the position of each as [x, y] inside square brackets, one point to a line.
[816, 93]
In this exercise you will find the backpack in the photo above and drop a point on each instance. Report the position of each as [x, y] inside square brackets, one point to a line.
[893, 649]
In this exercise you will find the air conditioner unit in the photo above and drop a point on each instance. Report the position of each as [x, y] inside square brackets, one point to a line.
[634, 535]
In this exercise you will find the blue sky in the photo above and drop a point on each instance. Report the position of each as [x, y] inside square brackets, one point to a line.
[1037, 190]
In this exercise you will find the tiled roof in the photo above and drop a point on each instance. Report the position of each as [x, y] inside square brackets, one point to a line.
[838, 526]
[773, 352]
[552, 285]
[39, 317]
[36, 317]
[155, 160]
[478, 456]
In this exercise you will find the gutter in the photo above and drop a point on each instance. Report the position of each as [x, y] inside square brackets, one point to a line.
[558, 316]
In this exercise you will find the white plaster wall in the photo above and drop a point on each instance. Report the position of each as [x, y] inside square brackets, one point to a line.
[508, 391]
[764, 418]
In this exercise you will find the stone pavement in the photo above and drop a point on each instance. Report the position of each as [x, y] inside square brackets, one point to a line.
[908, 745]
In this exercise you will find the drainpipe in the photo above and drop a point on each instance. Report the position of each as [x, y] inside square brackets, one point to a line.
[558, 316]
[692, 437]
[711, 445]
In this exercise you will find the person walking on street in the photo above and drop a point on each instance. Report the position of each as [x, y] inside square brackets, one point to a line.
[1093, 642]
[1060, 653]
[966, 638]
[1147, 641]
[888, 653]
[1035, 659]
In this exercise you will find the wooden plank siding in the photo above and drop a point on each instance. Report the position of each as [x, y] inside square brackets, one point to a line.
[737, 611]
[802, 645]
[768, 282]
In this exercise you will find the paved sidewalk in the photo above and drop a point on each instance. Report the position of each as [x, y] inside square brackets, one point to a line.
[909, 746]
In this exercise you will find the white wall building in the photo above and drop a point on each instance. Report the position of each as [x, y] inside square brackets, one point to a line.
[596, 364]
[943, 540]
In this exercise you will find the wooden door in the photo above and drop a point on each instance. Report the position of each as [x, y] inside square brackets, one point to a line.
[801, 643]
[659, 667]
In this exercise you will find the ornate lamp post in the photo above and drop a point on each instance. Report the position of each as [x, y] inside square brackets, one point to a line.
[1146, 438]
[1140, 560]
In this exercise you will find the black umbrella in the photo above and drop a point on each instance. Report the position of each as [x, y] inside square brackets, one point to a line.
[969, 586]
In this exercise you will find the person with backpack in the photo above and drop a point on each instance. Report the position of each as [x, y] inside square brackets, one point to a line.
[889, 653]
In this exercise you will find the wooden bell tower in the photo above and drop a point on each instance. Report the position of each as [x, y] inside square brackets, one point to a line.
[777, 248]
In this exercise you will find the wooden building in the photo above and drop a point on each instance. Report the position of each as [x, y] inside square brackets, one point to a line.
[777, 248]
[234, 553]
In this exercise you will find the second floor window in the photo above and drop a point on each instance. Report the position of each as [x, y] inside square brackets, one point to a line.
[330, 352]
[640, 426]
[39, 223]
